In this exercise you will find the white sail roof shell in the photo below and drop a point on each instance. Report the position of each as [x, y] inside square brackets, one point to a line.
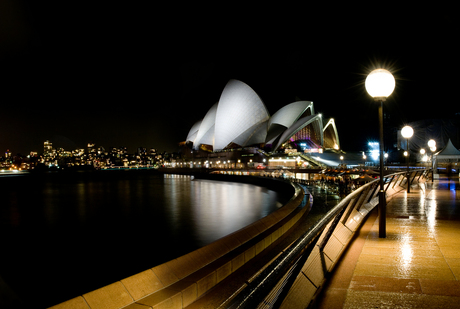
[239, 109]
[297, 126]
[205, 133]
[193, 132]
[288, 114]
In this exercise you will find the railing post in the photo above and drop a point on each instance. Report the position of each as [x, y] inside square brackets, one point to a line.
[328, 235]
[389, 183]
[373, 192]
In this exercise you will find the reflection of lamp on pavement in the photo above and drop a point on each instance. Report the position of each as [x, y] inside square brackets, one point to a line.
[432, 145]
[422, 154]
[380, 84]
[407, 133]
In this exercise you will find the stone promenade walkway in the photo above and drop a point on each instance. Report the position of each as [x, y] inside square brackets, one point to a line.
[416, 266]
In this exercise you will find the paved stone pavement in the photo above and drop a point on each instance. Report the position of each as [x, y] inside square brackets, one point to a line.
[416, 266]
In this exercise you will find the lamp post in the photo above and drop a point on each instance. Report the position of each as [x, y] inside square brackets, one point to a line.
[432, 145]
[380, 84]
[407, 133]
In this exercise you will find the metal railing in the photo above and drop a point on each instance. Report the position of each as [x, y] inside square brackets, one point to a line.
[293, 278]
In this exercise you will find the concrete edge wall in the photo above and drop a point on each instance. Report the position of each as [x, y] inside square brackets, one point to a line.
[179, 282]
[315, 269]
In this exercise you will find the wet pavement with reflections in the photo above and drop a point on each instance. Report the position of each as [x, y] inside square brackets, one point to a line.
[416, 266]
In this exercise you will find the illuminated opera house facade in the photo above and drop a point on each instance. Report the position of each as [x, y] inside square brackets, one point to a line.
[238, 131]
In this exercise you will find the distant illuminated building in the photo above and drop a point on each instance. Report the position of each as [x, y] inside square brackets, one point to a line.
[91, 148]
[47, 148]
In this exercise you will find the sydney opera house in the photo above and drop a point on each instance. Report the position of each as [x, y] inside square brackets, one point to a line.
[239, 129]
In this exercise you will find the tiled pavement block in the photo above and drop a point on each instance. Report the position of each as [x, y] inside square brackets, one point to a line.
[180, 266]
[323, 234]
[402, 262]
[166, 298]
[165, 274]
[356, 216]
[440, 287]
[260, 226]
[377, 299]
[333, 248]
[231, 242]
[267, 241]
[402, 270]
[280, 214]
[224, 271]
[363, 211]
[342, 233]
[276, 234]
[206, 283]
[367, 207]
[74, 303]
[214, 250]
[313, 267]
[249, 254]
[142, 284]
[260, 246]
[454, 265]
[300, 294]
[111, 296]
[252, 231]
[333, 298]
[237, 262]
[199, 259]
[243, 236]
[289, 224]
[369, 283]
[396, 250]
[189, 292]
[351, 224]
[450, 252]
[137, 306]
[268, 221]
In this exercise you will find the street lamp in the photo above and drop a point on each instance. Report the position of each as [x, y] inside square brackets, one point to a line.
[407, 133]
[380, 84]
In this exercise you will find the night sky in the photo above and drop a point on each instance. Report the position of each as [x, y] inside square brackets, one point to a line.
[132, 75]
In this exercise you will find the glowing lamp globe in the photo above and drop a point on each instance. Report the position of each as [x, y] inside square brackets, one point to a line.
[407, 132]
[431, 143]
[380, 84]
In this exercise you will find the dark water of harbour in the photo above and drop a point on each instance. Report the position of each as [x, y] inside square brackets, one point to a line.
[63, 235]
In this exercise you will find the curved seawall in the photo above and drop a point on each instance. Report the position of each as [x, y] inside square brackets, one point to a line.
[179, 282]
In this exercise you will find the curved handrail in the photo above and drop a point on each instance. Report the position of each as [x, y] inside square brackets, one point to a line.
[291, 260]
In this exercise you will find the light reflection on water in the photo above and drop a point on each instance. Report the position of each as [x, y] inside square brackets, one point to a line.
[74, 228]
[214, 209]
